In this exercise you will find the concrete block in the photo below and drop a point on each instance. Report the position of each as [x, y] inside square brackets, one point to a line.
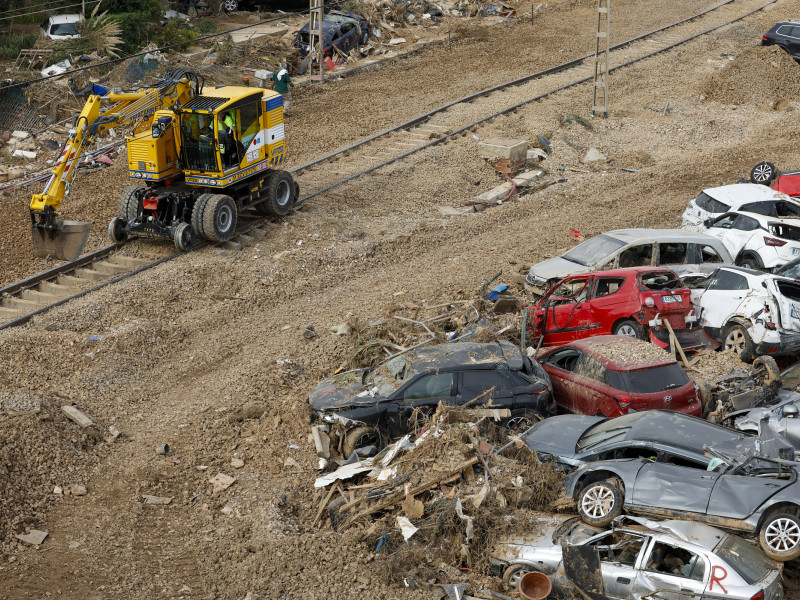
[527, 178]
[456, 210]
[496, 148]
[77, 416]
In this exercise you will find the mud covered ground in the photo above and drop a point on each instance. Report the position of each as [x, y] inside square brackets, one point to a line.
[207, 353]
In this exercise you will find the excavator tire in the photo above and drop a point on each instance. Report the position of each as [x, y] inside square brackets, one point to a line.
[219, 218]
[197, 216]
[128, 206]
[280, 195]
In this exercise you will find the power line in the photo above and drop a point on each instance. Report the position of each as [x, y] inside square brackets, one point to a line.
[47, 10]
[33, 6]
[116, 60]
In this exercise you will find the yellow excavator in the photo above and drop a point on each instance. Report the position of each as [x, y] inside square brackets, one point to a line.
[200, 158]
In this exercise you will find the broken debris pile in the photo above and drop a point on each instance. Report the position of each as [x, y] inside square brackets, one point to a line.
[433, 503]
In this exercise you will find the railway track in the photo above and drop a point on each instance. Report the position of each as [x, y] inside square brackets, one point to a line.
[29, 297]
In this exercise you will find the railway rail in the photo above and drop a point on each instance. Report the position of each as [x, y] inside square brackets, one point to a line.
[32, 296]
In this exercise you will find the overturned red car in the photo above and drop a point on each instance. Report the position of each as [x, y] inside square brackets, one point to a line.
[636, 302]
[787, 182]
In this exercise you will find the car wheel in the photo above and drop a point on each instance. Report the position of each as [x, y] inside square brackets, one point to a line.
[737, 339]
[359, 438]
[230, 5]
[750, 262]
[513, 575]
[780, 537]
[630, 328]
[521, 420]
[763, 173]
[766, 373]
[599, 503]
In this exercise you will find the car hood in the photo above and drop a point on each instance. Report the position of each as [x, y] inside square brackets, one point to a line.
[525, 546]
[557, 268]
[343, 390]
[558, 435]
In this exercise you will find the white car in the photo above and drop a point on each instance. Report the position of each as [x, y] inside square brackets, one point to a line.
[747, 197]
[62, 27]
[750, 312]
[681, 250]
[757, 241]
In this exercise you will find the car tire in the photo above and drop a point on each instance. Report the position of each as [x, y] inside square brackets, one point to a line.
[737, 339]
[767, 373]
[513, 575]
[522, 419]
[763, 173]
[230, 6]
[630, 328]
[361, 437]
[599, 503]
[128, 205]
[779, 537]
[219, 218]
[750, 262]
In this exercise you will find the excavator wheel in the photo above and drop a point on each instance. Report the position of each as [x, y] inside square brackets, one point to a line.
[280, 195]
[183, 237]
[128, 206]
[115, 231]
[219, 218]
[197, 216]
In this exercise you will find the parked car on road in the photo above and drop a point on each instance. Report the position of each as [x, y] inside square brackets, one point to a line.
[747, 197]
[572, 440]
[613, 375]
[785, 34]
[680, 250]
[369, 406]
[638, 556]
[749, 312]
[757, 241]
[344, 30]
[753, 495]
[61, 27]
[634, 302]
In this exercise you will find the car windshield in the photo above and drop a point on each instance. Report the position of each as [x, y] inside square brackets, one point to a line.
[710, 204]
[657, 379]
[747, 559]
[390, 375]
[64, 29]
[606, 431]
[593, 251]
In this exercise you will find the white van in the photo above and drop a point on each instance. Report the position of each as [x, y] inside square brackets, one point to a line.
[62, 27]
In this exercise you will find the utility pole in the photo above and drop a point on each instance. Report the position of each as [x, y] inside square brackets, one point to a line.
[315, 43]
[600, 84]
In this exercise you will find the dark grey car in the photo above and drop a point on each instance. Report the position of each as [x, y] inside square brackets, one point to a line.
[750, 495]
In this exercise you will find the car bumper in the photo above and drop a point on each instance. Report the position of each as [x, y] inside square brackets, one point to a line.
[773, 257]
[767, 341]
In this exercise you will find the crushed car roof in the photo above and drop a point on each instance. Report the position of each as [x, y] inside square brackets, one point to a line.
[687, 531]
[674, 428]
[623, 353]
[661, 235]
[460, 354]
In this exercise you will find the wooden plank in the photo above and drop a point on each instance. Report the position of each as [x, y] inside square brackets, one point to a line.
[75, 415]
[324, 503]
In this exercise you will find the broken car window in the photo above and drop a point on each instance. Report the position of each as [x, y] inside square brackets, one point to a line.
[593, 250]
[709, 255]
[566, 359]
[572, 289]
[636, 256]
[572, 532]
[744, 223]
[787, 209]
[607, 286]
[786, 232]
[390, 375]
[748, 560]
[790, 290]
[436, 385]
[661, 280]
[682, 461]
[673, 254]
[666, 558]
[728, 280]
[605, 431]
[658, 379]
[620, 547]
[708, 203]
[760, 208]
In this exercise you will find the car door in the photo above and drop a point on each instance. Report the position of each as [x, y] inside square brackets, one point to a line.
[640, 255]
[590, 389]
[426, 391]
[345, 37]
[560, 366]
[721, 299]
[740, 491]
[619, 552]
[674, 482]
[568, 311]
[473, 383]
[706, 258]
[613, 298]
[674, 569]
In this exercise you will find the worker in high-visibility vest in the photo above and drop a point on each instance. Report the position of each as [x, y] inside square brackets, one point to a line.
[227, 138]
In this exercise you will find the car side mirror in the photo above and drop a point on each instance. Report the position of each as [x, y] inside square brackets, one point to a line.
[707, 223]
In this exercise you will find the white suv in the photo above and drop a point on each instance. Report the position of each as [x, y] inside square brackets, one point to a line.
[757, 241]
[62, 27]
[747, 197]
[750, 312]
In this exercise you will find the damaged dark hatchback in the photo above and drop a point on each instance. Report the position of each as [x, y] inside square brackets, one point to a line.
[367, 407]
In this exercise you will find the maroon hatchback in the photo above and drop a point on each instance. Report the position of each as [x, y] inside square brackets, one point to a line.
[613, 375]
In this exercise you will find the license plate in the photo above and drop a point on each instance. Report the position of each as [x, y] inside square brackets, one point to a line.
[795, 313]
[795, 250]
[671, 299]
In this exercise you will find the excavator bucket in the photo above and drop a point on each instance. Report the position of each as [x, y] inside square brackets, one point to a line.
[65, 241]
